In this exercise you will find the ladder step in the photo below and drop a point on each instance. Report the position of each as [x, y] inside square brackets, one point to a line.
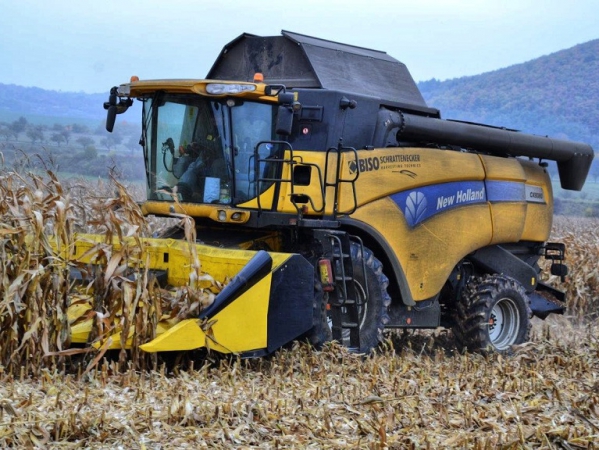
[338, 256]
[340, 278]
[349, 325]
[347, 302]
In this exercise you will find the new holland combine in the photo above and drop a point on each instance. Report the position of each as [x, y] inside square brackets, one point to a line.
[339, 204]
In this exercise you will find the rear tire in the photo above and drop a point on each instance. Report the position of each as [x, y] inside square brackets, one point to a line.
[492, 314]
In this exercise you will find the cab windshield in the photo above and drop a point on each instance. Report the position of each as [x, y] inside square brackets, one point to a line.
[204, 151]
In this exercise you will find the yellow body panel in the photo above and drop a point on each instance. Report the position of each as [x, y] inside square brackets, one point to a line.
[520, 220]
[401, 169]
[539, 216]
[382, 172]
[508, 222]
[241, 326]
[76, 310]
[428, 252]
[507, 217]
[80, 331]
[186, 335]
[162, 208]
[266, 199]
[177, 257]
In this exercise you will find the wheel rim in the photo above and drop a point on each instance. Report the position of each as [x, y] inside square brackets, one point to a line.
[504, 323]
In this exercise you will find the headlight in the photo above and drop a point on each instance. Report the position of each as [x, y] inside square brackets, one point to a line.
[218, 88]
[124, 89]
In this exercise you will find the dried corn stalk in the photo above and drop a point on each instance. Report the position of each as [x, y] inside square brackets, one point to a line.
[39, 216]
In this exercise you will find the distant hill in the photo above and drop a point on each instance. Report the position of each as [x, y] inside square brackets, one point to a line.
[33, 102]
[555, 95]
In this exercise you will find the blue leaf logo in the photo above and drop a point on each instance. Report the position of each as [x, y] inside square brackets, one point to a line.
[415, 207]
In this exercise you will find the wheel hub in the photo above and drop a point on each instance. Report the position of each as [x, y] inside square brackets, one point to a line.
[503, 324]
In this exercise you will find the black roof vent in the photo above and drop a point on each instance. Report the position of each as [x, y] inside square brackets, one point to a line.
[300, 61]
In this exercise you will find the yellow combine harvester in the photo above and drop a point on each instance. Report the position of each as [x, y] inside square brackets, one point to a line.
[339, 204]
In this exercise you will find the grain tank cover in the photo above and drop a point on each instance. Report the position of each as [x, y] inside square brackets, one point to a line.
[299, 61]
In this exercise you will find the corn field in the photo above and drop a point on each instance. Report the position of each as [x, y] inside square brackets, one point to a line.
[415, 391]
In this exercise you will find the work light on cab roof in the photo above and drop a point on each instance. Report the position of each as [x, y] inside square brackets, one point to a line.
[222, 88]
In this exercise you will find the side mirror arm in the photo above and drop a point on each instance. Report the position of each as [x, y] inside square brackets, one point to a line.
[113, 108]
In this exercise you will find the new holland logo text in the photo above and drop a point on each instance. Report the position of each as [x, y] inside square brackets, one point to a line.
[460, 197]
[427, 201]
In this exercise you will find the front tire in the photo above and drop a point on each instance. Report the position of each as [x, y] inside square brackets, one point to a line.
[373, 314]
[320, 333]
[492, 314]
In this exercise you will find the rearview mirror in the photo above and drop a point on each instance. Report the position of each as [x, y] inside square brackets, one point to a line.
[110, 118]
[284, 120]
[115, 108]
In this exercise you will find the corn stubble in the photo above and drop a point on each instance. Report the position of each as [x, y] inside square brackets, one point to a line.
[416, 391]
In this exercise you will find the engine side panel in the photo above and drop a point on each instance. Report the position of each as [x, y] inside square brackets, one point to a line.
[448, 204]
[520, 196]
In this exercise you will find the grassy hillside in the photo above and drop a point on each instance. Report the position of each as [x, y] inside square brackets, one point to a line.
[555, 95]
[32, 102]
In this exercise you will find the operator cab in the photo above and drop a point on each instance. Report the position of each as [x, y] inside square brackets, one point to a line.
[205, 150]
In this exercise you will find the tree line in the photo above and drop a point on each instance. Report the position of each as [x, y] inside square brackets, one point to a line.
[74, 148]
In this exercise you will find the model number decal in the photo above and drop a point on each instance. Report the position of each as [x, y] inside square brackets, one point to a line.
[534, 194]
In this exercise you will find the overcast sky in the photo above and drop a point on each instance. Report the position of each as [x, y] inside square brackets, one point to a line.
[76, 45]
